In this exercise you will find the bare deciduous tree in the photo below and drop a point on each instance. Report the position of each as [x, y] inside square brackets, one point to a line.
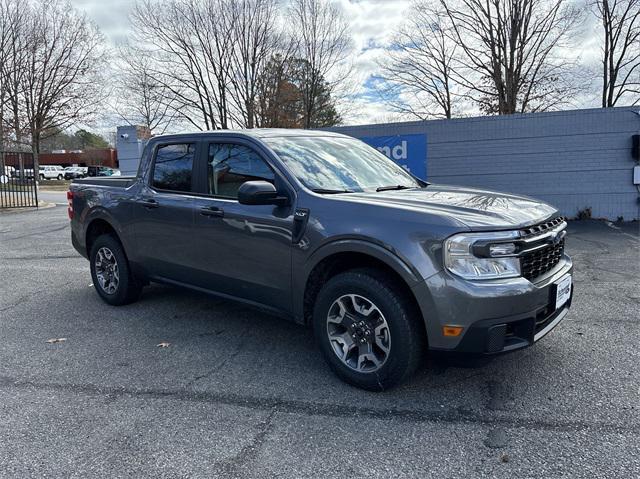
[212, 57]
[620, 21]
[16, 24]
[5, 32]
[190, 42]
[61, 82]
[256, 39]
[322, 33]
[420, 63]
[513, 52]
[141, 99]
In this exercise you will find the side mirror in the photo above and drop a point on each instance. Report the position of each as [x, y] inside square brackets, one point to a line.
[260, 193]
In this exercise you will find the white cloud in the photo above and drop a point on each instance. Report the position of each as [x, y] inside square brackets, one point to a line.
[110, 15]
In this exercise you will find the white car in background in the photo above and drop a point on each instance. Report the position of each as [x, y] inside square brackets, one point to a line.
[6, 174]
[51, 172]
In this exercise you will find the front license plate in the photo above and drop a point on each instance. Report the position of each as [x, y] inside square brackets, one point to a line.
[563, 291]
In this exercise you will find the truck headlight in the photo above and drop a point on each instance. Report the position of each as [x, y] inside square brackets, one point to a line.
[482, 255]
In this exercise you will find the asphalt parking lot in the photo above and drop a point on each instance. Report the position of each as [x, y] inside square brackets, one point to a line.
[242, 394]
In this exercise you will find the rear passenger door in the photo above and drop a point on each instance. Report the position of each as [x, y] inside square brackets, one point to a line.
[245, 250]
[163, 212]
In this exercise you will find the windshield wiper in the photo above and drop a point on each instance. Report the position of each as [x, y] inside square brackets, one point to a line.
[392, 187]
[325, 191]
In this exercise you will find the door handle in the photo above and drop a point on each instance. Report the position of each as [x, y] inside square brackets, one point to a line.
[149, 203]
[212, 211]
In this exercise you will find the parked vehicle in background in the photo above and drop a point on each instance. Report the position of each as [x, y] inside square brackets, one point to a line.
[50, 172]
[74, 172]
[24, 173]
[94, 171]
[325, 230]
[9, 171]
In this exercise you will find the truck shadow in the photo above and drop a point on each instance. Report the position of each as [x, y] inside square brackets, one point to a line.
[245, 352]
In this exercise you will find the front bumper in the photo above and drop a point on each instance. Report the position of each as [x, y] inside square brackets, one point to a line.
[511, 333]
[497, 316]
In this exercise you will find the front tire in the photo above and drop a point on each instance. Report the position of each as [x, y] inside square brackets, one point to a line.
[112, 276]
[368, 329]
[59, 177]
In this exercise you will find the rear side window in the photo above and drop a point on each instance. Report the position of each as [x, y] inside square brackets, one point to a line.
[173, 167]
[229, 165]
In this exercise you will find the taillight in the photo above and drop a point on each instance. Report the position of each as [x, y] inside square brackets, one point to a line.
[70, 204]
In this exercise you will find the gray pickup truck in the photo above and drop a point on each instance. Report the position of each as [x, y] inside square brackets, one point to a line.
[322, 229]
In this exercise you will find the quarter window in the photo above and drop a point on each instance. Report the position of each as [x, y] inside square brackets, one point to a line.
[229, 165]
[173, 166]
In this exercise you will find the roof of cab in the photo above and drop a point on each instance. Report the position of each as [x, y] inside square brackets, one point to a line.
[258, 133]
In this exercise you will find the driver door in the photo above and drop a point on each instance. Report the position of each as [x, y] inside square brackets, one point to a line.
[245, 249]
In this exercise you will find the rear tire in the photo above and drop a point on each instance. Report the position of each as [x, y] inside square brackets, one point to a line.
[368, 329]
[112, 276]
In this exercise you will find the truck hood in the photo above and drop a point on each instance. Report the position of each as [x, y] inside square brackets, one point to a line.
[476, 209]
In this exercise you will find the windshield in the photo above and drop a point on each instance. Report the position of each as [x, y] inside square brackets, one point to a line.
[329, 164]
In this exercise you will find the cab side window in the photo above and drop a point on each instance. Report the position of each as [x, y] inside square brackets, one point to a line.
[229, 165]
[173, 167]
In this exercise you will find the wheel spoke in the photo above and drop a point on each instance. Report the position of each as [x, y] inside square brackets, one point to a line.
[380, 343]
[341, 316]
[364, 359]
[362, 305]
[343, 344]
[100, 259]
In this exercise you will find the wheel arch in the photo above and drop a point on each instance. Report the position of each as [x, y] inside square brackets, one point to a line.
[344, 255]
[97, 227]
[99, 220]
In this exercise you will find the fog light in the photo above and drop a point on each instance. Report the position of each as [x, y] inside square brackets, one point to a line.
[452, 330]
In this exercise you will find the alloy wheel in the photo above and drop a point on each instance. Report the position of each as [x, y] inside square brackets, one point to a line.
[358, 333]
[107, 272]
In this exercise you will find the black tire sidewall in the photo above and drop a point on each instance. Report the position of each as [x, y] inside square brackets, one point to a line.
[406, 335]
[127, 290]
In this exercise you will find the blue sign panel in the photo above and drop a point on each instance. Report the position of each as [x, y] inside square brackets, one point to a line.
[409, 151]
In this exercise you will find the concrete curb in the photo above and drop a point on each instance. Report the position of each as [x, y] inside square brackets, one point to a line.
[42, 205]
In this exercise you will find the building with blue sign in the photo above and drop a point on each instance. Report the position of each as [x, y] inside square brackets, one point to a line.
[410, 151]
[578, 160]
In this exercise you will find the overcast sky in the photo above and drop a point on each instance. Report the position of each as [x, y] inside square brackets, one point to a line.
[373, 22]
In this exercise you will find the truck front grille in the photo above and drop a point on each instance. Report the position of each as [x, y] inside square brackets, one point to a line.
[544, 253]
[538, 262]
[542, 228]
